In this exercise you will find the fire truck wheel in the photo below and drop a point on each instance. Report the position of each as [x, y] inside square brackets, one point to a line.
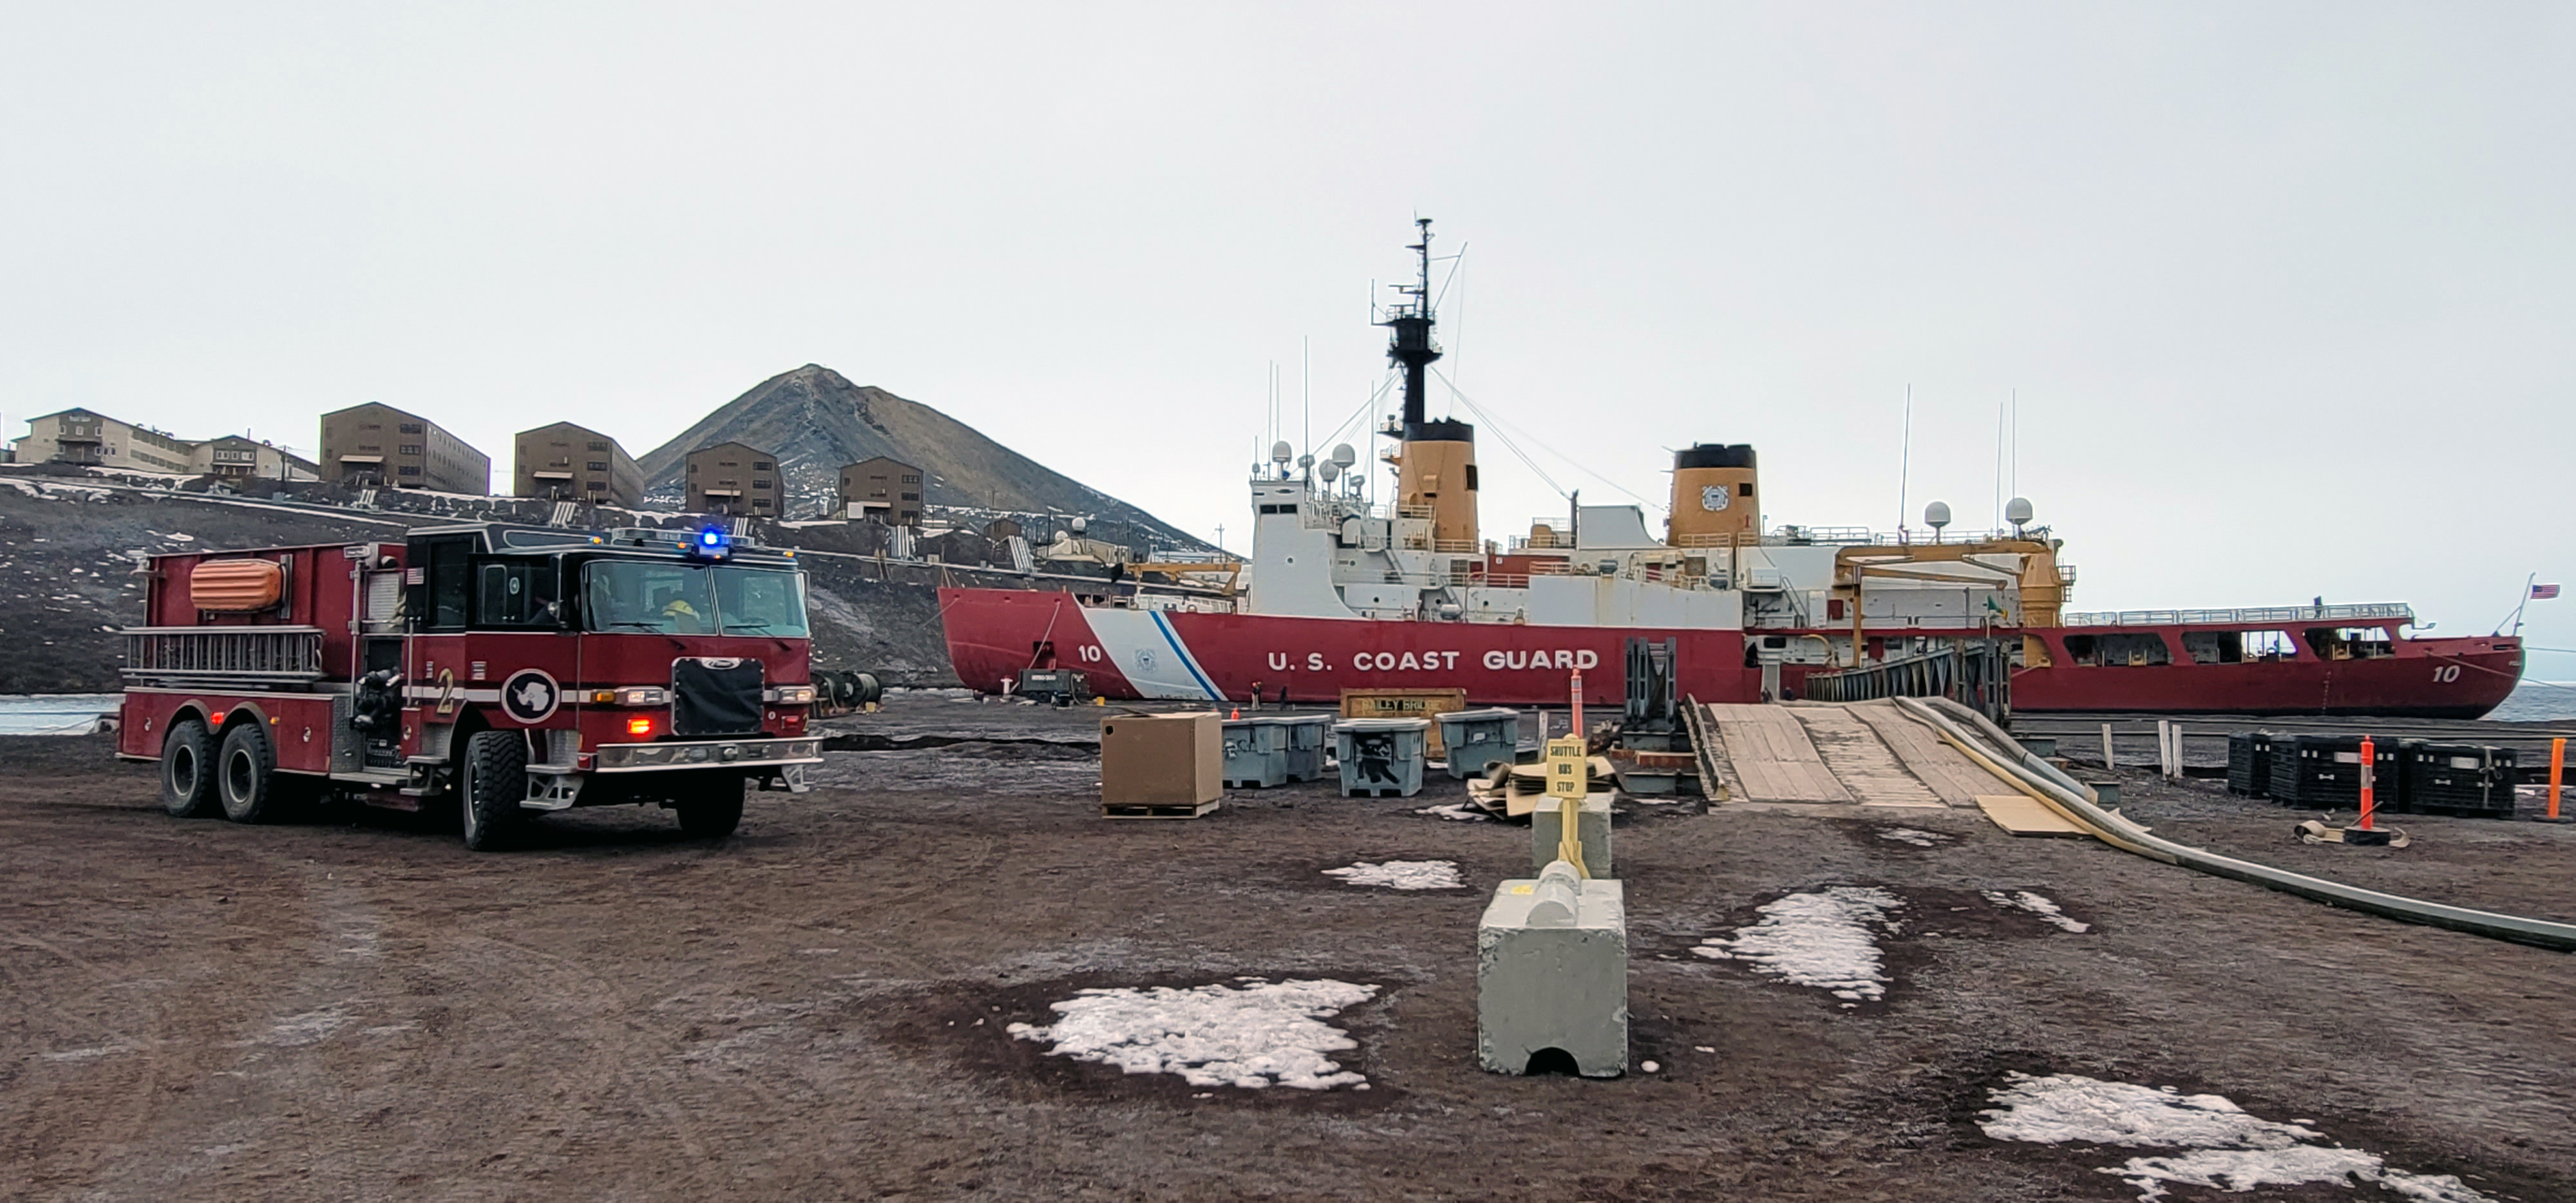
[246, 773]
[496, 781]
[187, 770]
[713, 814]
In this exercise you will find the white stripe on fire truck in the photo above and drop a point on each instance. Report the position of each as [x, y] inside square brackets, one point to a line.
[431, 693]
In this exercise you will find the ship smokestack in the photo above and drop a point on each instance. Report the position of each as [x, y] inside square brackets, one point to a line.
[1716, 496]
[1435, 460]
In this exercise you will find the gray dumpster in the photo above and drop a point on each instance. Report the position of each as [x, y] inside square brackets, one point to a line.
[1382, 757]
[1307, 735]
[1476, 739]
[1256, 753]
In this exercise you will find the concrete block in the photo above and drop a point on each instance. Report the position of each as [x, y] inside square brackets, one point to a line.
[1552, 973]
[1593, 824]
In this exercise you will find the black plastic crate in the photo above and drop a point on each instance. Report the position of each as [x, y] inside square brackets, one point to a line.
[2249, 763]
[2323, 772]
[2458, 779]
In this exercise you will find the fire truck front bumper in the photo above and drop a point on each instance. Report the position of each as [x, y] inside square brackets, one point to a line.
[705, 754]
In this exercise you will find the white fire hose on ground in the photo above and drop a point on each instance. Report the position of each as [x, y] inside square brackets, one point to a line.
[2000, 755]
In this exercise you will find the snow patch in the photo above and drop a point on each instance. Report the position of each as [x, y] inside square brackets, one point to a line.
[1908, 835]
[1402, 874]
[2024, 900]
[1457, 811]
[2223, 1147]
[308, 1026]
[1827, 939]
[1254, 1035]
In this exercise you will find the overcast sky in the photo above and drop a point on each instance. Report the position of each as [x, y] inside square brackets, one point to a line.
[2286, 290]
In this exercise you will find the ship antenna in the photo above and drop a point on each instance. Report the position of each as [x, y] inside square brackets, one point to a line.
[1411, 347]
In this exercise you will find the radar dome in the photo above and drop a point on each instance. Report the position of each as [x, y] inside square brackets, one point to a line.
[1327, 470]
[1081, 524]
[2017, 511]
[1936, 515]
[1343, 455]
[1281, 452]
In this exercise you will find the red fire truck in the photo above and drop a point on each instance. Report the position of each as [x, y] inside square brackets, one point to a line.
[503, 670]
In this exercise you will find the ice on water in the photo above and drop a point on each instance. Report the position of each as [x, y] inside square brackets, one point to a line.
[1252, 1034]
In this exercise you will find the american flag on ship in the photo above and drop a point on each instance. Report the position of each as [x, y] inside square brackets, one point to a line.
[2543, 591]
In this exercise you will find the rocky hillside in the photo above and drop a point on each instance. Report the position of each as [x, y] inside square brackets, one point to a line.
[69, 544]
[815, 420]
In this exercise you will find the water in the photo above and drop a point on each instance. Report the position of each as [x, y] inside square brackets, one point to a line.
[2537, 701]
[53, 713]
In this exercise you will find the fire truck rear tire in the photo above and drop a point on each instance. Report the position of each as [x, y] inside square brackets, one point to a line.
[246, 773]
[187, 770]
[496, 781]
[712, 814]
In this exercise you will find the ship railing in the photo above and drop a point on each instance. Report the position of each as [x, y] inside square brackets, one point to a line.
[1505, 580]
[1549, 568]
[251, 656]
[2397, 612]
[1393, 577]
[1413, 511]
[1974, 673]
[1802, 536]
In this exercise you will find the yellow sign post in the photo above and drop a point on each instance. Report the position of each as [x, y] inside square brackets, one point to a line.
[1566, 783]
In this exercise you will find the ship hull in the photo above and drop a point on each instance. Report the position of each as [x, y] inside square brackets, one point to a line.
[2426, 678]
[993, 634]
[1220, 658]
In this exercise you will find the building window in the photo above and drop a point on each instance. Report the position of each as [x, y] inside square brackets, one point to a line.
[410, 470]
[761, 483]
[911, 478]
[693, 468]
[760, 465]
[410, 449]
[912, 497]
[407, 428]
[599, 465]
[599, 446]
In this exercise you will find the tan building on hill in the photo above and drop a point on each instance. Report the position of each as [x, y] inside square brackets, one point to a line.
[731, 478]
[886, 489]
[234, 457]
[375, 444]
[81, 436]
[564, 462]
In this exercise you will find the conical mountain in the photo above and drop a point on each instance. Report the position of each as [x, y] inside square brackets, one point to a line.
[814, 420]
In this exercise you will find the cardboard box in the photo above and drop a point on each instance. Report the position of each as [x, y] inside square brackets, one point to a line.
[1162, 760]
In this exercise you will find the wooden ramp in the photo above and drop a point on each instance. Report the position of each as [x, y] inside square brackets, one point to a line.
[1955, 779]
[2023, 816]
[1868, 771]
[1769, 757]
[1868, 753]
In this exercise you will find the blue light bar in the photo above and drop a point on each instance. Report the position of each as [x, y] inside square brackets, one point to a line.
[712, 543]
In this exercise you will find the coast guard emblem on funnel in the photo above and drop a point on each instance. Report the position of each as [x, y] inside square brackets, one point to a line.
[530, 695]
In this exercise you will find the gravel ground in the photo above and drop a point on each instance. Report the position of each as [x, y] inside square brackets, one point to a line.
[354, 1006]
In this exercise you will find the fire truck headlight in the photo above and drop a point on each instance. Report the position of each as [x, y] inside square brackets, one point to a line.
[642, 695]
[640, 726]
[796, 695]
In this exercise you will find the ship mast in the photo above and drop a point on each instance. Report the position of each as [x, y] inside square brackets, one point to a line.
[1411, 346]
[1435, 473]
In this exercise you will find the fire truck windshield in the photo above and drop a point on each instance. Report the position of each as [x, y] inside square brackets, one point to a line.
[692, 599]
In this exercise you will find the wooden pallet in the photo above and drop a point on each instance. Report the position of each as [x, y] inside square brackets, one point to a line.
[1158, 810]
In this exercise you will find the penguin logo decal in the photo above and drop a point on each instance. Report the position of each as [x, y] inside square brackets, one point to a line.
[530, 695]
